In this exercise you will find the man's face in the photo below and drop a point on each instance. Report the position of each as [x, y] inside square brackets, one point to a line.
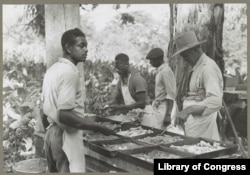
[188, 56]
[155, 62]
[121, 67]
[79, 49]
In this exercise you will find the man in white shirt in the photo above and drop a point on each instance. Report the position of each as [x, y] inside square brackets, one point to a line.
[165, 89]
[201, 107]
[64, 108]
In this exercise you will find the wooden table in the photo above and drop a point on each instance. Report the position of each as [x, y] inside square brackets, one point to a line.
[96, 162]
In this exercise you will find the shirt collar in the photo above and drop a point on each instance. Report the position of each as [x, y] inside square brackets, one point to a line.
[64, 60]
[199, 62]
[161, 67]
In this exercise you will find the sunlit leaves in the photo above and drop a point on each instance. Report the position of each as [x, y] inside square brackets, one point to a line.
[235, 36]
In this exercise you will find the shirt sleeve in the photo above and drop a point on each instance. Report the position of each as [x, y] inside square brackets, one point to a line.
[67, 92]
[139, 84]
[213, 84]
[169, 83]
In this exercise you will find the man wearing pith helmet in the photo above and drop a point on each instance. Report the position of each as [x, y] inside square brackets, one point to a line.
[205, 89]
[164, 104]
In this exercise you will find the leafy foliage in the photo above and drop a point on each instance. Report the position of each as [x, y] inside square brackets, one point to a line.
[133, 33]
[98, 77]
[22, 81]
[235, 36]
[35, 15]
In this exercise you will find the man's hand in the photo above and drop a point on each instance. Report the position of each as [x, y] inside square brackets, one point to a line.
[181, 116]
[116, 107]
[115, 128]
[106, 131]
[113, 108]
[167, 120]
[106, 107]
[155, 104]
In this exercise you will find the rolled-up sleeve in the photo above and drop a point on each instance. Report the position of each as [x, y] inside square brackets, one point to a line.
[67, 92]
[169, 83]
[139, 84]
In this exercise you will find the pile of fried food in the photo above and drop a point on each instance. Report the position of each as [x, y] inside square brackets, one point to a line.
[150, 156]
[121, 146]
[199, 148]
[132, 132]
[160, 139]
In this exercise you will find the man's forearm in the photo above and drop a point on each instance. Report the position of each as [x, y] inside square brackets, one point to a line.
[135, 105]
[69, 118]
[169, 107]
[195, 109]
[170, 104]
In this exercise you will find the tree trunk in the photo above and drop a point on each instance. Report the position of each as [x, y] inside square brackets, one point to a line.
[58, 19]
[217, 24]
[172, 31]
[207, 21]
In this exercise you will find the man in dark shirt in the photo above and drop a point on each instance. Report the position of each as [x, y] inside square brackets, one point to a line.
[131, 89]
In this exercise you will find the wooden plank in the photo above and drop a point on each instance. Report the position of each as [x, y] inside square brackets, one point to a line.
[95, 165]
[242, 95]
[116, 162]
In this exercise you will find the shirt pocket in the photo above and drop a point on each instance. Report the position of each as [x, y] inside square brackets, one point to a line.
[200, 89]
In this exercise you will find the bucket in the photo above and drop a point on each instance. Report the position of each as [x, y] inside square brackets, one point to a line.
[37, 165]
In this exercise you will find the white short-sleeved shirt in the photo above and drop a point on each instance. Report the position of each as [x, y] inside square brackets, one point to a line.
[62, 89]
[165, 83]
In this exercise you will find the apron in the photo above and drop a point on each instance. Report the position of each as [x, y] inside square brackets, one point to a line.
[155, 117]
[202, 126]
[74, 148]
[128, 99]
[172, 128]
[148, 117]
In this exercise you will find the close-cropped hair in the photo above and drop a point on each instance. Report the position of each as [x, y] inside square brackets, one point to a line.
[69, 36]
[122, 58]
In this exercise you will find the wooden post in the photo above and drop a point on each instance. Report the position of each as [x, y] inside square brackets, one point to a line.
[58, 19]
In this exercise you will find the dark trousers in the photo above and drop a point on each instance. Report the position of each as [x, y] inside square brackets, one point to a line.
[56, 158]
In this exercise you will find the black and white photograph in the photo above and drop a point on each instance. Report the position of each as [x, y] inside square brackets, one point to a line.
[109, 88]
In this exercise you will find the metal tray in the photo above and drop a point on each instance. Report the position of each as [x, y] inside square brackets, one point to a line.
[161, 134]
[97, 146]
[97, 165]
[120, 125]
[155, 131]
[127, 155]
[128, 125]
[100, 138]
[227, 148]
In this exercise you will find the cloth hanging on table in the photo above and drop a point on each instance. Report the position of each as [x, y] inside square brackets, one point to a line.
[203, 125]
